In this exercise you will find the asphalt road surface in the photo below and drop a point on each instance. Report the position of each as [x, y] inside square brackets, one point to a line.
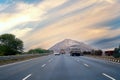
[61, 67]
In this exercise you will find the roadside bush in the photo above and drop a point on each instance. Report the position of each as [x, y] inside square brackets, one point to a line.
[38, 50]
[97, 52]
[86, 52]
[116, 53]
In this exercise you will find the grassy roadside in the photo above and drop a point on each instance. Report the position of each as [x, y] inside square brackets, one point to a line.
[109, 58]
[3, 62]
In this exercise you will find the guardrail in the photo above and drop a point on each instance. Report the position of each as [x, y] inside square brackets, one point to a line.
[109, 58]
[113, 60]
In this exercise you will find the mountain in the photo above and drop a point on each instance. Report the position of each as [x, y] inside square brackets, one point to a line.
[67, 43]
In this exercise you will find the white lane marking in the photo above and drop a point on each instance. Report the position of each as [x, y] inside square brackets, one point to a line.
[27, 77]
[108, 76]
[43, 65]
[86, 65]
[50, 60]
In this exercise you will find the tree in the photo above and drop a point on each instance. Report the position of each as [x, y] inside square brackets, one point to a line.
[10, 45]
[87, 52]
[97, 52]
[116, 53]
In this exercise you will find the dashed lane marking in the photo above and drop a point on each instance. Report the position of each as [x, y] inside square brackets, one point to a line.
[50, 60]
[86, 65]
[108, 76]
[43, 65]
[27, 77]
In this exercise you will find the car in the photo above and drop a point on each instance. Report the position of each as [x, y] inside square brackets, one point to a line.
[56, 53]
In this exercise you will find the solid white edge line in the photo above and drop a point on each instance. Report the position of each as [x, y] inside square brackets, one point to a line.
[27, 77]
[108, 76]
[43, 65]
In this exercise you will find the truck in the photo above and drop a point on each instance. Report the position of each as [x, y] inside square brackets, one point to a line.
[75, 51]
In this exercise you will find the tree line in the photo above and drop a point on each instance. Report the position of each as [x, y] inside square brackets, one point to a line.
[38, 50]
[93, 52]
[115, 53]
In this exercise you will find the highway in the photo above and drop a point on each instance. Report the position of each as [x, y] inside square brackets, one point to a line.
[61, 67]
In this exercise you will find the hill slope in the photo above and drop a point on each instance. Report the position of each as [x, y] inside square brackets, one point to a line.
[67, 43]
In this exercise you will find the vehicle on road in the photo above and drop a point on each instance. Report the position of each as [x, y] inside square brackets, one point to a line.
[75, 51]
[62, 51]
[56, 53]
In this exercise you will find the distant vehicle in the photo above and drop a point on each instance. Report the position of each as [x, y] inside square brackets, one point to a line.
[56, 53]
[62, 51]
[75, 51]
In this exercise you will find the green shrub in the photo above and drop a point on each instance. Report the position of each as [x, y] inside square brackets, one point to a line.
[116, 53]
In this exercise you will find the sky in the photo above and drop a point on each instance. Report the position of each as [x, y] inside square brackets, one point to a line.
[42, 23]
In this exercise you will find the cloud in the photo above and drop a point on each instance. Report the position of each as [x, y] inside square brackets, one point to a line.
[108, 43]
[44, 24]
[26, 13]
[112, 23]
[3, 6]
[21, 32]
[111, 1]
[81, 26]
